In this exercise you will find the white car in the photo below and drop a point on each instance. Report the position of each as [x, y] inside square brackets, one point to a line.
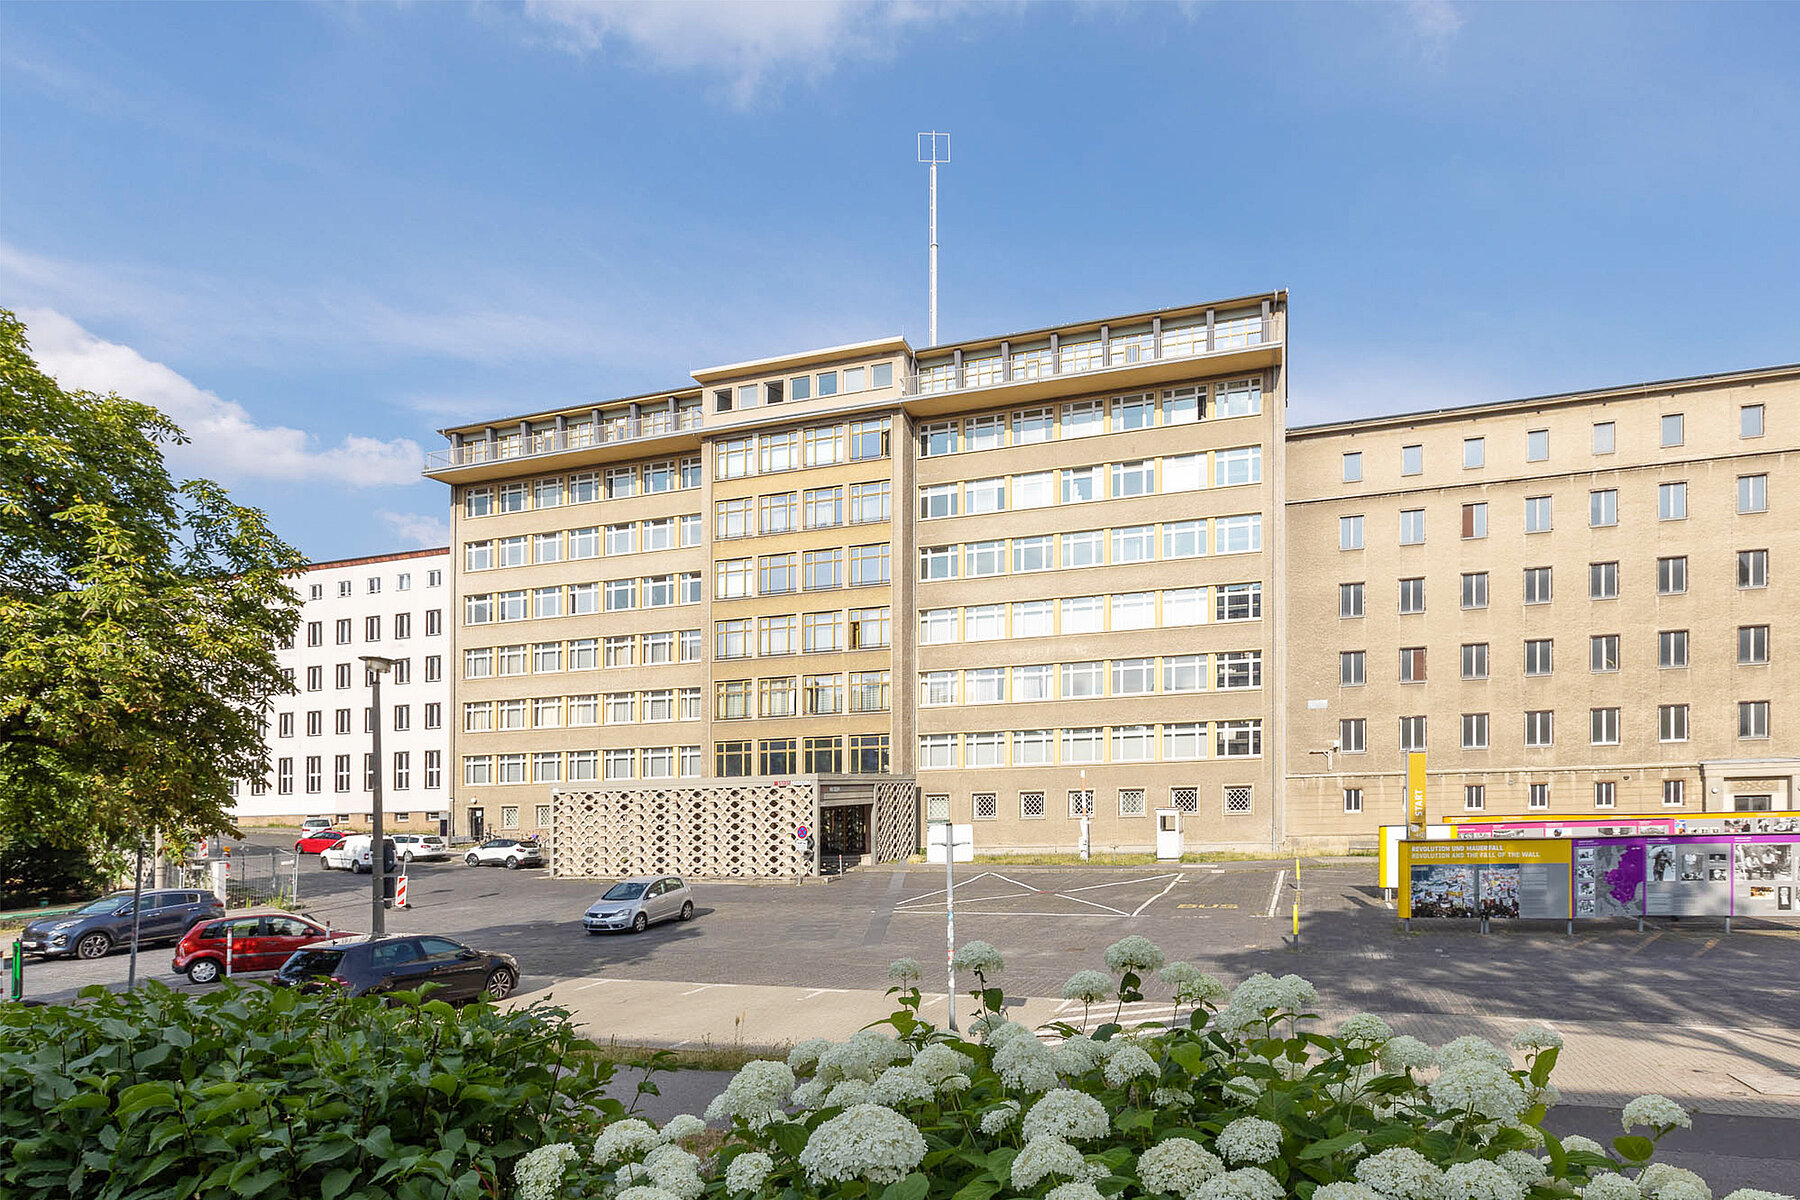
[510, 853]
[352, 854]
[314, 824]
[422, 846]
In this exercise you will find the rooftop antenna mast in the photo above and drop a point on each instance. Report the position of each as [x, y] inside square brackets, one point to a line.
[934, 148]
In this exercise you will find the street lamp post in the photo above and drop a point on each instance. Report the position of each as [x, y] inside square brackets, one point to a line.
[377, 667]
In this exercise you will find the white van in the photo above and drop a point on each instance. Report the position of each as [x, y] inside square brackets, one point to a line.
[352, 854]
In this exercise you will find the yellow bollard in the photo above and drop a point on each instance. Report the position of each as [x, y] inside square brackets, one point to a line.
[1296, 919]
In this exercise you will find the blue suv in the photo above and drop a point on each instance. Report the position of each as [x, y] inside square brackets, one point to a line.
[92, 930]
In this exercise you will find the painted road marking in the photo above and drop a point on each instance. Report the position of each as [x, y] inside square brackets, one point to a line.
[822, 991]
[1275, 895]
[1635, 949]
[704, 987]
[1116, 883]
[584, 987]
[1152, 900]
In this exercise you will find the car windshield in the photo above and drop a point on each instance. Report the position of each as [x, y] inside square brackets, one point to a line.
[313, 962]
[625, 891]
[105, 904]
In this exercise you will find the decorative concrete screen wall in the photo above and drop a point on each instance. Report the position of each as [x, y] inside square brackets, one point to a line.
[730, 827]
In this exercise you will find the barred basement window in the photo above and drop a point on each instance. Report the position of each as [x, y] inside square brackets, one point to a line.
[1081, 803]
[1185, 799]
[1131, 802]
[1237, 801]
[543, 816]
[1031, 805]
[937, 807]
[987, 805]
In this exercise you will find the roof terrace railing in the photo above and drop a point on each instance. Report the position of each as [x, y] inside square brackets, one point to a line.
[517, 445]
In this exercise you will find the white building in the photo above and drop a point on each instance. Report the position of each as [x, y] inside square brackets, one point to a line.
[391, 605]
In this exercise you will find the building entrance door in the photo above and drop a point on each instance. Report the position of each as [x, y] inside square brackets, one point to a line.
[844, 830]
[1168, 834]
[477, 819]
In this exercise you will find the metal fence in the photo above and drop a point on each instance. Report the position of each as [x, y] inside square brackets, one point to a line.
[253, 875]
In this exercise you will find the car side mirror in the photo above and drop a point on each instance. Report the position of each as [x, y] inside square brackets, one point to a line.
[466, 953]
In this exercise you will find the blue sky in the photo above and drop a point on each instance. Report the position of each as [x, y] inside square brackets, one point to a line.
[318, 233]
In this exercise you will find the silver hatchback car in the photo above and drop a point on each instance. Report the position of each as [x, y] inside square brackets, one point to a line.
[640, 902]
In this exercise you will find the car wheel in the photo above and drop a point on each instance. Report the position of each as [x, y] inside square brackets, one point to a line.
[93, 945]
[472, 860]
[202, 970]
[512, 864]
[323, 864]
[687, 911]
[500, 983]
[640, 923]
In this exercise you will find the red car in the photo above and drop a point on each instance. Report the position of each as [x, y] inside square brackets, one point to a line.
[319, 839]
[259, 942]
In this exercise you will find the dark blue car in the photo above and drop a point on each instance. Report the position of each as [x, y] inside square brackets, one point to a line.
[92, 930]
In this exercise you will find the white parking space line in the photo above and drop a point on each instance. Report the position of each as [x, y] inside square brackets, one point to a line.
[972, 913]
[1152, 900]
[1275, 895]
[1028, 888]
[704, 988]
[584, 987]
[1082, 900]
[823, 991]
[1120, 883]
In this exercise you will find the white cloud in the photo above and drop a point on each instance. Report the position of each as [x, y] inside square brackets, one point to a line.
[225, 442]
[747, 42]
[423, 532]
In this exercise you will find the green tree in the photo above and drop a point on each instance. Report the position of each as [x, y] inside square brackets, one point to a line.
[138, 621]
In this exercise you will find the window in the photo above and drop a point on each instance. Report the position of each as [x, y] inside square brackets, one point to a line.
[1750, 421]
[1474, 797]
[1351, 668]
[1603, 726]
[1475, 589]
[868, 753]
[986, 805]
[1474, 453]
[1412, 595]
[1674, 793]
[1183, 672]
[1603, 508]
[1353, 467]
[1753, 644]
[1235, 467]
[1350, 533]
[1412, 664]
[1137, 543]
[1353, 800]
[777, 635]
[1237, 535]
[983, 558]
[1412, 733]
[1350, 599]
[1238, 739]
[820, 632]
[1239, 398]
[869, 691]
[824, 507]
[823, 695]
[1032, 747]
[1671, 501]
[1353, 735]
[1083, 614]
[1128, 479]
[871, 628]
[1474, 731]
[1672, 648]
[1753, 719]
[869, 502]
[1412, 460]
[1037, 490]
[1082, 549]
[341, 772]
[1031, 805]
[1475, 520]
[1187, 606]
[1035, 553]
[344, 631]
[1603, 581]
[731, 759]
[777, 574]
[1133, 743]
[1184, 472]
[1671, 575]
[1083, 418]
[1752, 568]
[1753, 493]
[1538, 585]
[939, 562]
[822, 447]
[284, 724]
[938, 626]
[731, 519]
[937, 751]
[777, 698]
[1538, 795]
[315, 723]
[1604, 437]
[1603, 653]
[341, 675]
[1537, 445]
[1083, 680]
[1606, 793]
[1671, 429]
[1237, 801]
[1130, 677]
[1538, 656]
[1537, 514]
[780, 452]
[733, 638]
[868, 439]
[938, 439]
[1412, 527]
[1672, 723]
[1133, 610]
[1080, 484]
[937, 688]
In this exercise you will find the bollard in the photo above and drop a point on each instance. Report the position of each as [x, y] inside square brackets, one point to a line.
[16, 972]
[1296, 924]
[228, 949]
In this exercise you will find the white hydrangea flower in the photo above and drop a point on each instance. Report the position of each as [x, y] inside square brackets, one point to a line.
[1536, 1037]
[1531, 1133]
[863, 1057]
[537, 1174]
[899, 1086]
[1479, 1180]
[1177, 1167]
[1023, 1064]
[1402, 1173]
[805, 1056]
[1655, 1111]
[1405, 1054]
[748, 1172]
[644, 1191]
[1191, 984]
[624, 1139]
[1470, 1048]
[1609, 1186]
[1078, 1055]
[809, 1095]
[1249, 1140]
[1243, 1089]
[1165, 1097]
[978, 957]
[682, 1126]
[1472, 1085]
[1130, 1062]
[938, 1062]
[995, 1121]
[866, 1141]
[757, 1093]
[1134, 953]
[1547, 1095]
[954, 1083]
[1046, 1156]
[1346, 1191]
[1575, 1142]
[1260, 993]
[1757, 1194]
[905, 971]
[847, 1094]
[997, 1030]
[1089, 987]
[1522, 1166]
[1245, 1183]
[1365, 1029]
[676, 1171]
[1660, 1181]
[1080, 1189]
[626, 1174]
[1067, 1114]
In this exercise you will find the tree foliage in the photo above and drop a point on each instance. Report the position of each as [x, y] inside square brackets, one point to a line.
[138, 620]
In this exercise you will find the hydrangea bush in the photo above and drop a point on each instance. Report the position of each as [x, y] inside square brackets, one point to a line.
[1239, 1097]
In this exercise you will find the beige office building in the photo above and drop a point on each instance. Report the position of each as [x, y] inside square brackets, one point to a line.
[1572, 604]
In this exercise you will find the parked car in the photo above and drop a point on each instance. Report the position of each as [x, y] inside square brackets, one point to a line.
[92, 930]
[424, 847]
[314, 825]
[319, 839]
[352, 854]
[371, 966]
[511, 853]
[636, 904]
[259, 941]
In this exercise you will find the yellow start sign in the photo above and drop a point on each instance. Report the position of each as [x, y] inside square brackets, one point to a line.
[1415, 794]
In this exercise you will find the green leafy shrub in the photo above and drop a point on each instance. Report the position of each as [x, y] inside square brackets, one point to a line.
[258, 1091]
[1237, 1097]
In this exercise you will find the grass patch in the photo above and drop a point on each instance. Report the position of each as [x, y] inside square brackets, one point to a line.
[707, 1056]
